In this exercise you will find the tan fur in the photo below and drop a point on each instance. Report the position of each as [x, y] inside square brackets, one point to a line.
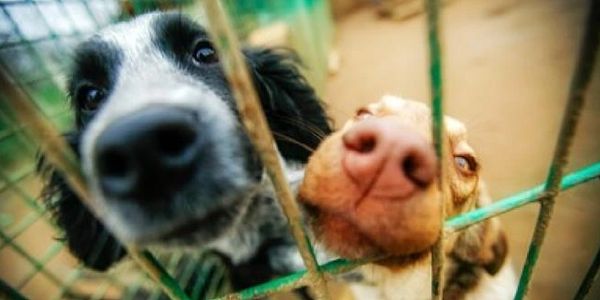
[353, 227]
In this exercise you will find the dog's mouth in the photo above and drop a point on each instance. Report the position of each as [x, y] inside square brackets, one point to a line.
[355, 238]
[379, 218]
[340, 235]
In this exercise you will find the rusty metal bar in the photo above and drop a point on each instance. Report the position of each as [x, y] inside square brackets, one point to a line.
[576, 99]
[257, 128]
[437, 117]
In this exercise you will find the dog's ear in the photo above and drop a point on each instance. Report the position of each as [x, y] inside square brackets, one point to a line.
[295, 114]
[498, 251]
[85, 235]
[484, 245]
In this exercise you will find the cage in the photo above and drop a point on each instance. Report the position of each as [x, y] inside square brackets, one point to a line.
[34, 55]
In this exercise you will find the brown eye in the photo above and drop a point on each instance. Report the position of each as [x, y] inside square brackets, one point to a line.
[90, 98]
[362, 113]
[205, 53]
[465, 164]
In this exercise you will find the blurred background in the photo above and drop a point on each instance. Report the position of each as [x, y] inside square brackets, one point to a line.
[507, 67]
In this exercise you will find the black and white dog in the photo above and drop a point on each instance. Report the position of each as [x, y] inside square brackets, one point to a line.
[166, 158]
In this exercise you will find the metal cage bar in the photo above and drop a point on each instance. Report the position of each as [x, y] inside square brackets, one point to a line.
[576, 99]
[438, 134]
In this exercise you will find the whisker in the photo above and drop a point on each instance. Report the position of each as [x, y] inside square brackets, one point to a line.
[311, 128]
[286, 138]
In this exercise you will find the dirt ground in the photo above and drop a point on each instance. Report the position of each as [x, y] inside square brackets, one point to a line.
[507, 66]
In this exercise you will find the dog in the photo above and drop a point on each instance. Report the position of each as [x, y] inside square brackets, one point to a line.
[165, 156]
[371, 190]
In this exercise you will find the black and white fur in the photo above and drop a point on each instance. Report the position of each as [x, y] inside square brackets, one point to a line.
[227, 203]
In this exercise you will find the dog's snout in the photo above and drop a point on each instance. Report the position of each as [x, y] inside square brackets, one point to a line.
[391, 157]
[148, 154]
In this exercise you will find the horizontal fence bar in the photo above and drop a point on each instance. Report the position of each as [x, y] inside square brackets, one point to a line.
[515, 201]
[459, 222]
[577, 91]
[295, 280]
[259, 133]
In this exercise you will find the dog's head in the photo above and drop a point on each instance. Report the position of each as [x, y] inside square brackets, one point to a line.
[371, 187]
[160, 141]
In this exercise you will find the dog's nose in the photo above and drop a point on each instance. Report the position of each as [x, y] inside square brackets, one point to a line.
[149, 154]
[394, 160]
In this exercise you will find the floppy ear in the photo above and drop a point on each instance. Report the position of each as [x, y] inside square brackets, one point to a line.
[483, 245]
[85, 235]
[295, 114]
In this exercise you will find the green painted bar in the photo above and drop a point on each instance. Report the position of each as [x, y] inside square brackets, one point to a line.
[172, 287]
[515, 201]
[296, 280]
[437, 116]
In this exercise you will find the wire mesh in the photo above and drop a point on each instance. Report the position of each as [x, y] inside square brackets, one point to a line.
[38, 78]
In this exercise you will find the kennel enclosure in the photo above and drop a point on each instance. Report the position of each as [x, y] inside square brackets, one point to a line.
[30, 114]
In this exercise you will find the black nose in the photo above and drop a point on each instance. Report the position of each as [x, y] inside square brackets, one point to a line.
[148, 154]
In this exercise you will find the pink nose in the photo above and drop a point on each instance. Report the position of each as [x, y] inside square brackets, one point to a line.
[389, 159]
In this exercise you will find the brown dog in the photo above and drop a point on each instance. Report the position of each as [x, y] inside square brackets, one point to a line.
[370, 189]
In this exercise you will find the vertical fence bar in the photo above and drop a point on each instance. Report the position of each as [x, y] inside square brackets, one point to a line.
[258, 130]
[576, 98]
[60, 155]
[437, 116]
[588, 280]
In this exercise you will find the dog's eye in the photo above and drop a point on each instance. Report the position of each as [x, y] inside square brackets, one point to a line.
[90, 98]
[205, 53]
[466, 164]
[362, 113]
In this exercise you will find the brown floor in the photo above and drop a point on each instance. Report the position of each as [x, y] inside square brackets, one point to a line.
[507, 68]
